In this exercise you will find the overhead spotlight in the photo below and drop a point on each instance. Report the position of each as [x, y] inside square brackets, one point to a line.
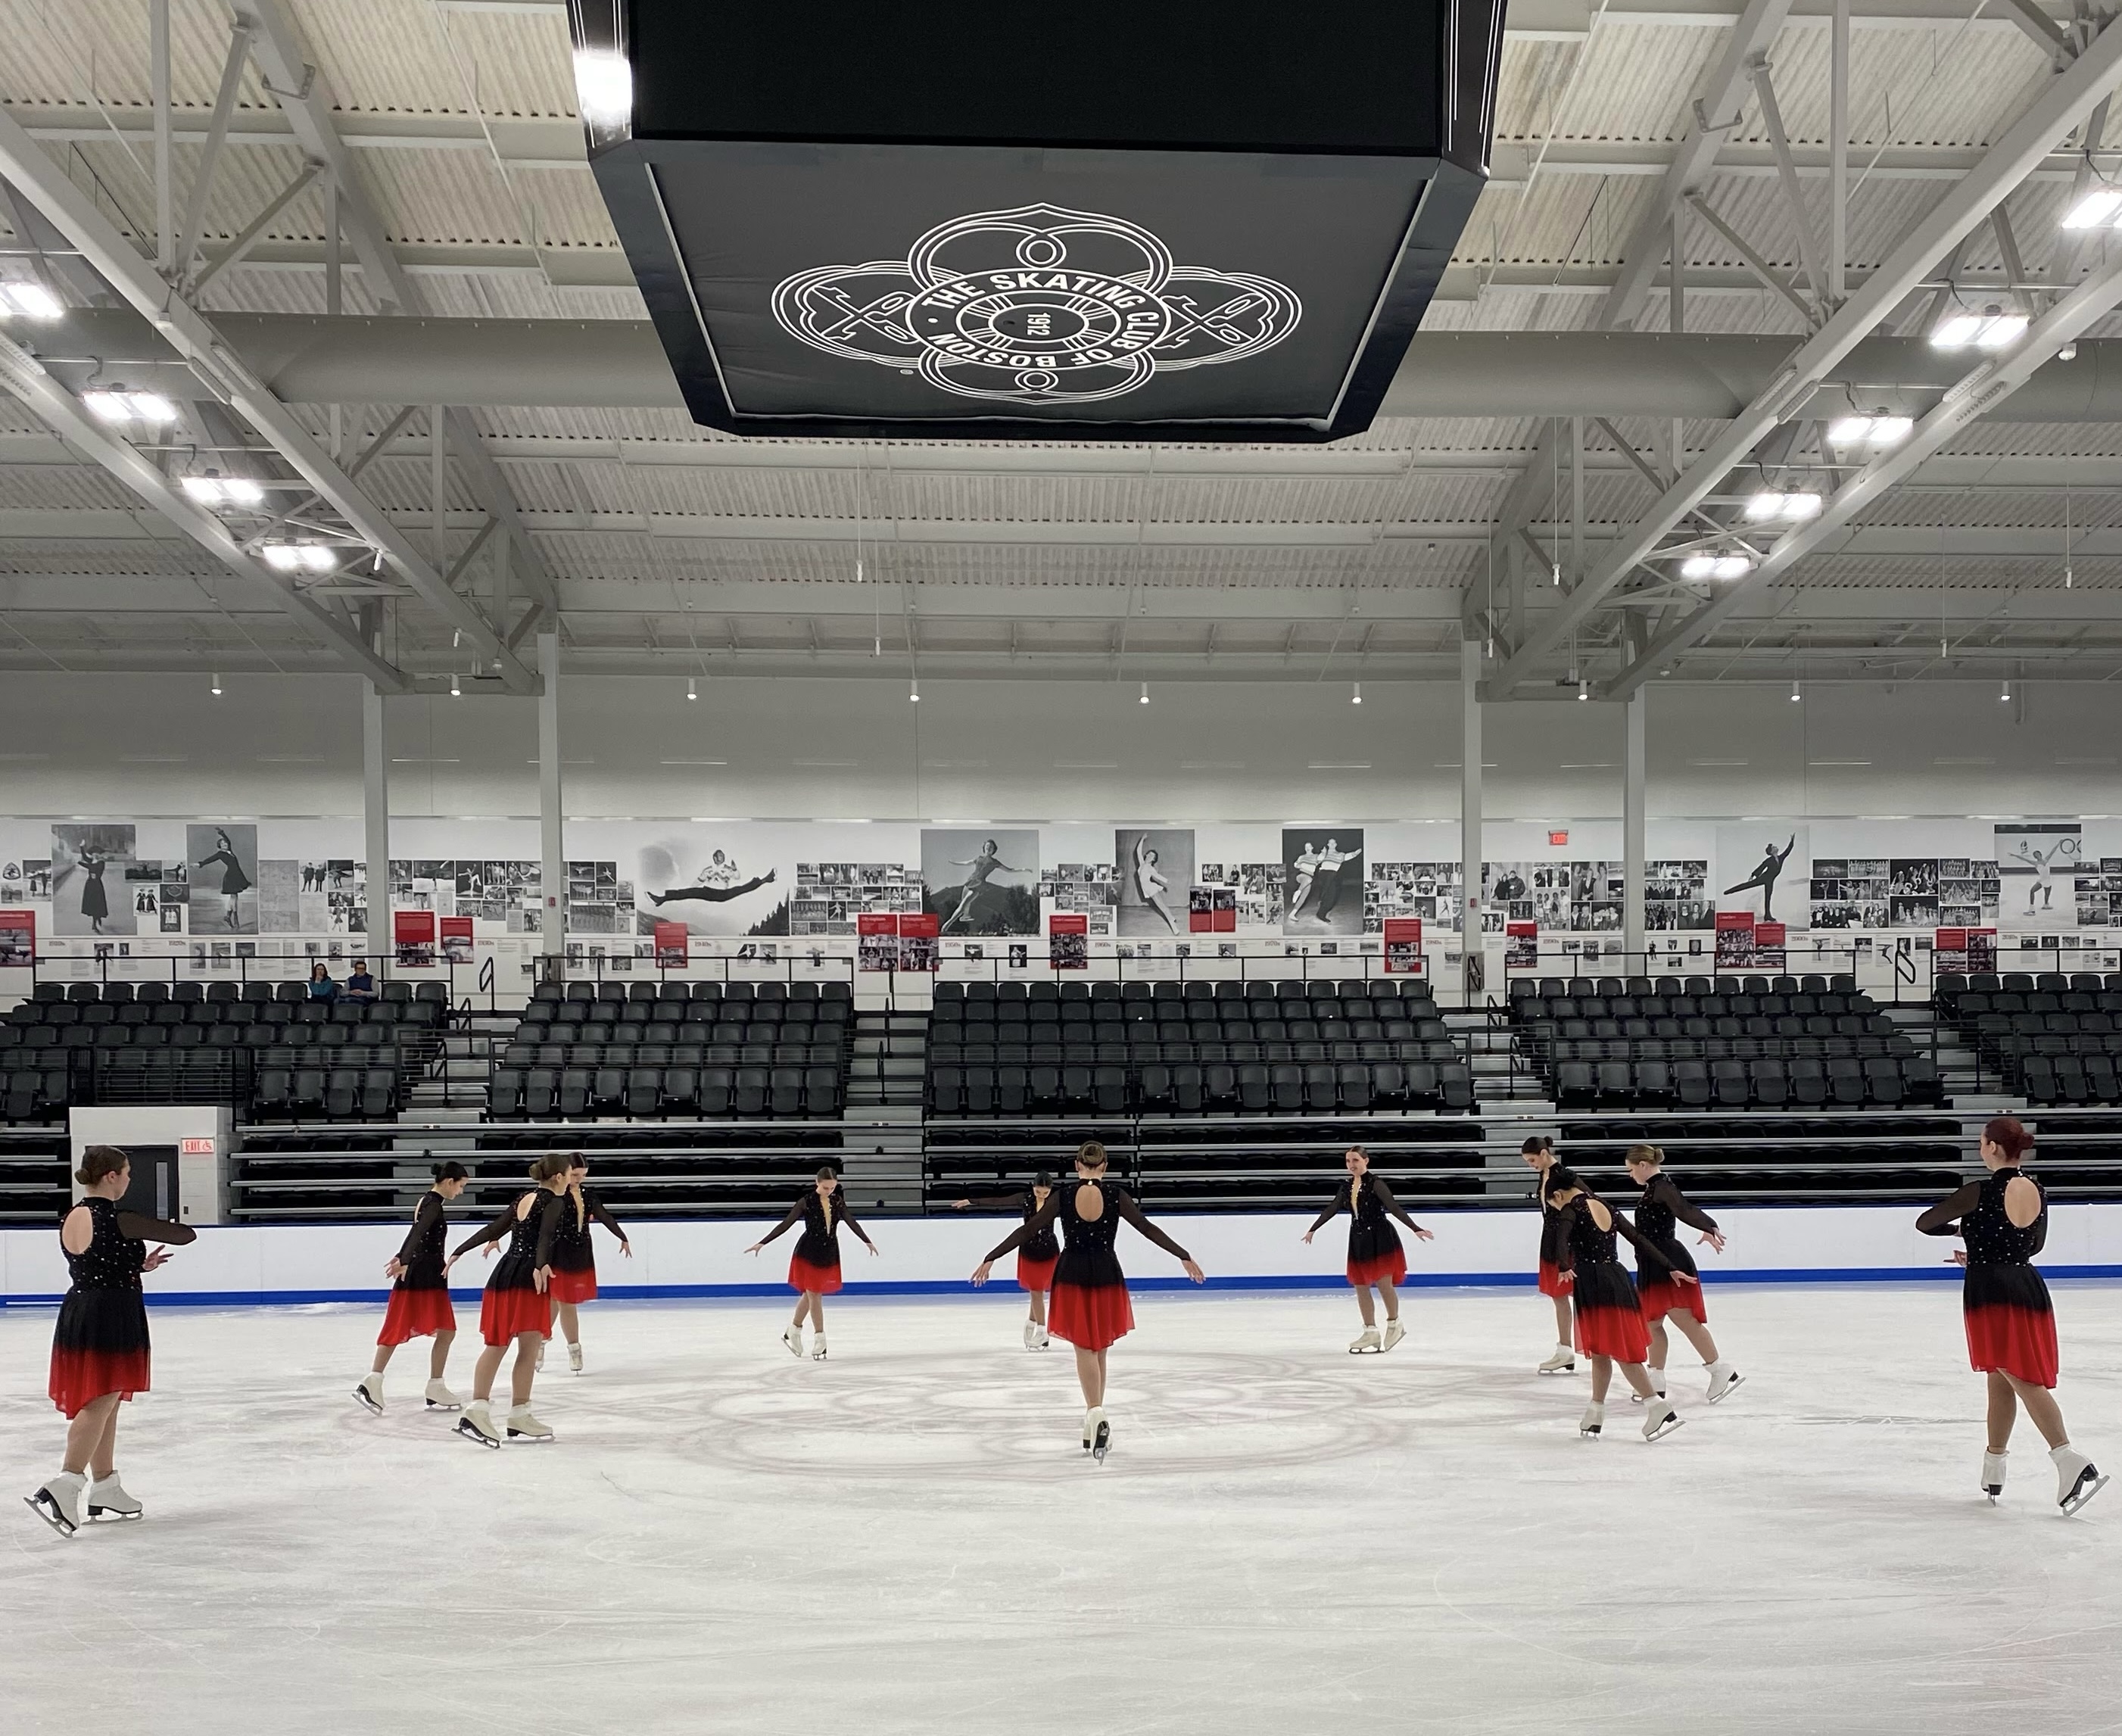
[1794, 692]
[216, 688]
[2066, 578]
[2004, 694]
[1145, 693]
[300, 557]
[604, 88]
[1732, 566]
[2099, 207]
[1878, 428]
[31, 300]
[691, 687]
[214, 489]
[116, 404]
[913, 691]
[1583, 689]
[1992, 328]
[1768, 505]
[456, 692]
[1356, 696]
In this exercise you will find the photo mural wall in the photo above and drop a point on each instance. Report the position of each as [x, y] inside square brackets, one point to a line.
[213, 890]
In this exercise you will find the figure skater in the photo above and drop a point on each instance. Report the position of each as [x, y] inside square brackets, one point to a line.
[1150, 886]
[233, 881]
[717, 884]
[514, 1310]
[1035, 1257]
[420, 1295]
[1328, 876]
[1609, 1320]
[988, 862]
[574, 1259]
[1090, 1308]
[813, 1269]
[101, 1355]
[1764, 875]
[1555, 1274]
[2041, 891]
[1661, 1207]
[2011, 1323]
[95, 901]
[1307, 865]
[1375, 1257]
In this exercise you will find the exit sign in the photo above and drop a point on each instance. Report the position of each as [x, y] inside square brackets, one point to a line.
[1558, 838]
[195, 1147]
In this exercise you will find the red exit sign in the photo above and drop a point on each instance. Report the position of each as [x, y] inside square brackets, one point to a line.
[1558, 838]
[195, 1147]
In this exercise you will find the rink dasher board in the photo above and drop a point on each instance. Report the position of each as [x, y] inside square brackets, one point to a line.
[292, 1265]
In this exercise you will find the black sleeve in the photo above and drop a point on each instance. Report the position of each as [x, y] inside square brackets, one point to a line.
[1644, 1250]
[431, 1209]
[1693, 1216]
[1332, 1207]
[137, 1227]
[548, 1224]
[492, 1231]
[847, 1217]
[602, 1213]
[1041, 1221]
[1385, 1199]
[996, 1202]
[1133, 1213]
[1943, 1218]
[795, 1212]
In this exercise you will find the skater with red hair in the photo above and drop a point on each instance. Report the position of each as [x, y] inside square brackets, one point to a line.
[1376, 1259]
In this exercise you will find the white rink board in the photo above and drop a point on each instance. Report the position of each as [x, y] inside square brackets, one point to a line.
[290, 1263]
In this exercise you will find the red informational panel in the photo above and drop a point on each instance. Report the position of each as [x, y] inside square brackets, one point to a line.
[1735, 938]
[18, 936]
[457, 939]
[1403, 946]
[1520, 946]
[1068, 941]
[412, 933]
[876, 941]
[919, 948]
[674, 945]
[1201, 910]
[1769, 953]
[1963, 949]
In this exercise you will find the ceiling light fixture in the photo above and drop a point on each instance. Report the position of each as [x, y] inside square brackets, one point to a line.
[117, 406]
[1769, 504]
[1583, 689]
[1794, 692]
[1356, 697]
[216, 688]
[455, 691]
[604, 87]
[691, 687]
[1991, 329]
[1716, 566]
[214, 489]
[2097, 208]
[299, 557]
[913, 691]
[32, 301]
[2004, 694]
[1145, 693]
[1876, 428]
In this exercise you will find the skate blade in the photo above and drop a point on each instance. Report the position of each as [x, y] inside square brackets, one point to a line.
[1591, 1434]
[2082, 1494]
[1993, 1493]
[113, 1516]
[1666, 1428]
[1103, 1446]
[531, 1440]
[1568, 1368]
[1728, 1389]
[362, 1398]
[445, 1409]
[49, 1511]
[476, 1438]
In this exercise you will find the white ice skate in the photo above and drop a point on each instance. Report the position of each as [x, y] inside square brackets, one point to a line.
[1097, 1434]
[1992, 1475]
[1043, 1342]
[477, 1425]
[523, 1426]
[818, 1348]
[369, 1394]
[58, 1504]
[1563, 1362]
[1659, 1419]
[2078, 1478]
[542, 1344]
[1594, 1420]
[575, 1358]
[441, 1398]
[1031, 1335]
[793, 1338]
[107, 1500]
[1724, 1380]
[1394, 1331]
[1365, 1343]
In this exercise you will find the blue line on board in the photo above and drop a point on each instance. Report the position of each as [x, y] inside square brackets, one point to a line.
[959, 1287]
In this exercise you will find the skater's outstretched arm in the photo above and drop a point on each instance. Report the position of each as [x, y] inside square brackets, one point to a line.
[138, 1227]
[602, 1213]
[1666, 1192]
[1124, 1201]
[788, 1224]
[1334, 1207]
[423, 1220]
[1393, 1206]
[502, 1223]
[1042, 1219]
[1943, 1218]
[847, 1217]
[1645, 1250]
[989, 1202]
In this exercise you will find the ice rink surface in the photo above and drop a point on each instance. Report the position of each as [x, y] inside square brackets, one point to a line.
[908, 1538]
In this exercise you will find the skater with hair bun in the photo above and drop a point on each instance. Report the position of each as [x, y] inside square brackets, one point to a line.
[1375, 1257]
[1036, 1258]
[574, 1259]
[1609, 1321]
[2011, 1323]
[514, 1310]
[813, 1269]
[1091, 1308]
[1538, 1154]
[1663, 1296]
[420, 1296]
[101, 1355]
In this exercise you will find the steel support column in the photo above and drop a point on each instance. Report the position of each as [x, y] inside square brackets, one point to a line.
[376, 824]
[1473, 979]
[552, 852]
[1633, 864]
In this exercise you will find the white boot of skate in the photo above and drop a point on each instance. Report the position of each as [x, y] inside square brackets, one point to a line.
[1659, 1419]
[1594, 1420]
[2078, 1478]
[818, 1348]
[441, 1398]
[575, 1358]
[1993, 1475]
[1657, 1384]
[1365, 1343]
[1724, 1380]
[1563, 1362]
[369, 1394]
[1032, 1334]
[793, 1338]
[1394, 1331]
[107, 1500]
[523, 1426]
[1097, 1432]
[477, 1425]
[58, 1503]
[1042, 1341]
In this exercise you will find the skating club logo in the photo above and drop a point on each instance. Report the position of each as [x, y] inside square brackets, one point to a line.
[1036, 306]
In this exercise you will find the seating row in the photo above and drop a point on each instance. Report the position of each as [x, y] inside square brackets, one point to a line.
[148, 994]
[1536, 1037]
[1951, 985]
[1554, 988]
[701, 1016]
[1722, 1049]
[32, 1039]
[1803, 1081]
[671, 1055]
[59, 1014]
[366, 1086]
[1971, 1008]
[2069, 1079]
[1287, 1089]
[1138, 1053]
[746, 1093]
[1224, 992]
[1529, 1009]
[668, 991]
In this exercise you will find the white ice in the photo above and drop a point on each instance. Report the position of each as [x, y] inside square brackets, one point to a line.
[908, 1538]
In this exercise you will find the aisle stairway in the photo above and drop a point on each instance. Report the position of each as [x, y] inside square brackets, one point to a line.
[888, 1062]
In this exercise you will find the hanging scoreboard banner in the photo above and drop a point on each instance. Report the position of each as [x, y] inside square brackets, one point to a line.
[887, 223]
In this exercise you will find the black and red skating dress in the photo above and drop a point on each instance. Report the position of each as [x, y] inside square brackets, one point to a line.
[1554, 1252]
[1039, 1253]
[513, 1304]
[100, 1344]
[2011, 1324]
[420, 1299]
[1661, 1208]
[574, 1259]
[815, 1267]
[1090, 1306]
[1608, 1315]
[1376, 1254]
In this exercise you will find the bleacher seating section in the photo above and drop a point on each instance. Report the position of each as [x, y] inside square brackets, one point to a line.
[1727, 1042]
[648, 1050]
[2052, 1037]
[266, 1049]
[1356, 1045]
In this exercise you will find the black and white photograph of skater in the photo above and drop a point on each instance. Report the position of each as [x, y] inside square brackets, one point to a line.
[1753, 863]
[981, 882]
[1156, 877]
[1323, 878]
[726, 887]
[224, 869]
[89, 867]
[2031, 856]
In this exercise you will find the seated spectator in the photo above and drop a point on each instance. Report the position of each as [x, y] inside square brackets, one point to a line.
[321, 985]
[359, 986]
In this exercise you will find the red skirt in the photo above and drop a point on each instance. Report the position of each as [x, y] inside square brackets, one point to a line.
[1551, 1279]
[79, 1376]
[416, 1314]
[1611, 1332]
[1387, 1268]
[820, 1281]
[2020, 1342]
[1035, 1274]
[572, 1286]
[1090, 1316]
[504, 1316]
[1663, 1296]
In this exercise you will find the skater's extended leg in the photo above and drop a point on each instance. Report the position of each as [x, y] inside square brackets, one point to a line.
[1091, 1376]
[2042, 1411]
[1694, 1332]
[482, 1375]
[1562, 1319]
[802, 1310]
[1363, 1303]
[1602, 1377]
[817, 1311]
[1390, 1297]
[571, 1323]
[1638, 1377]
[521, 1376]
[438, 1355]
[2003, 1409]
